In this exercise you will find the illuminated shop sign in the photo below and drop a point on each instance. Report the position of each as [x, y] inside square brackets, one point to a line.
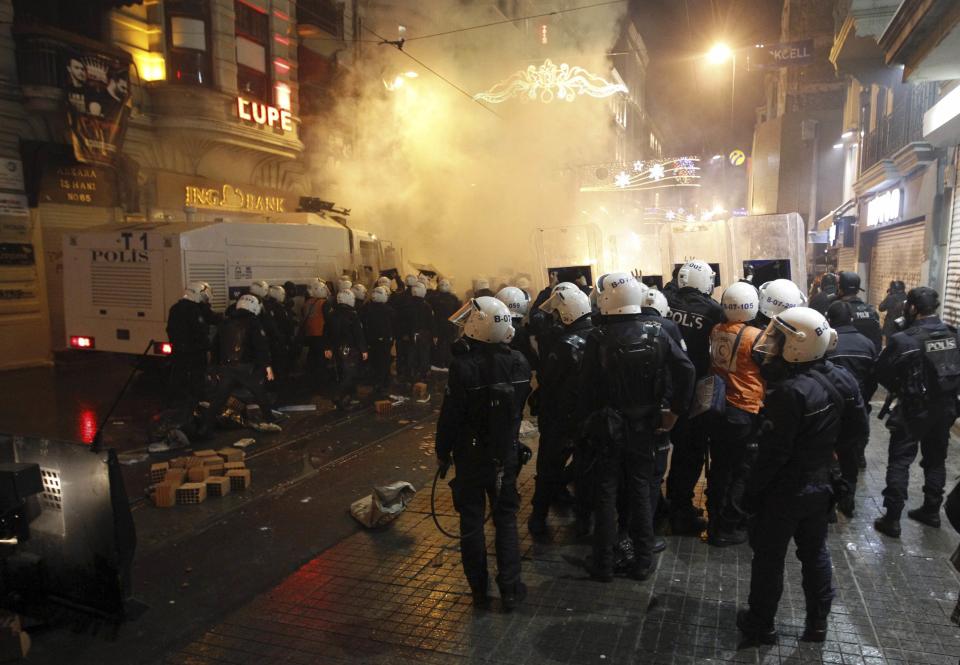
[884, 208]
[229, 197]
[264, 114]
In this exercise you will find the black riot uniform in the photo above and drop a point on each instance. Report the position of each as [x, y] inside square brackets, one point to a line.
[243, 356]
[695, 314]
[812, 411]
[521, 342]
[921, 367]
[188, 330]
[892, 305]
[858, 355]
[866, 319]
[822, 300]
[379, 328]
[478, 426]
[557, 378]
[445, 305]
[284, 326]
[631, 370]
[346, 344]
[416, 329]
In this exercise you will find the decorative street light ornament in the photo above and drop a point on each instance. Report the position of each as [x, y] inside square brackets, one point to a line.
[622, 179]
[549, 82]
[638, 166]
[660, 174]
[656, 171]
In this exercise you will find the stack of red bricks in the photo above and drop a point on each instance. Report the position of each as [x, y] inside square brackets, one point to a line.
[190, 480]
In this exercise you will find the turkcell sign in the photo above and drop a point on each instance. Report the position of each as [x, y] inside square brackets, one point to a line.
[786, 54]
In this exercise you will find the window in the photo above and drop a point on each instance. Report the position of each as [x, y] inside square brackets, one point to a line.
[253, 75]
[188, 42]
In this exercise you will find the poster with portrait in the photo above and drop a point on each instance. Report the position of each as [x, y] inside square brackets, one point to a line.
[97, 95]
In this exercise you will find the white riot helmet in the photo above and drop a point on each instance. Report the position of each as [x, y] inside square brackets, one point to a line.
[359, 292]
[516, 300]
[260, 288]
[418, 290]
[569, 304]
[485, 319]
[780, 295]
[740, 302]
[620, 293]
[409, 280]
[380, 294]
[444, 286]
[346, 297]
[317, 289]
[563, 286]
[655, 299]
[384, 282]
[344, 284]
[423, 279]
[249, 302]
[799, 335]
[697, 274]
[277, 292]
[197, 292]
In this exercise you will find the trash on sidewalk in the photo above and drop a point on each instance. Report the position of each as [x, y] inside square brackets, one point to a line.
[266, 427]
[243, 443]
[130, 458]
[292, 408]
[384, 505]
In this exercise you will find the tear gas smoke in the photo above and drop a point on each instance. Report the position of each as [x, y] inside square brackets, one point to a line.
[447, 181]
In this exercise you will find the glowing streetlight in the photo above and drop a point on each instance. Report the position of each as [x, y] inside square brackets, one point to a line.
[719, 53]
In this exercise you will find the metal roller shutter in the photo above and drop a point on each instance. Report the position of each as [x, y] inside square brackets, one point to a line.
[898, 254]
[847, 259]
[951, 288]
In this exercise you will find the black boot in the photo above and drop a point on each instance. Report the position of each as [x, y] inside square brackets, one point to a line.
[754, 629]
[479, 592]
[537, 524]
[847, 505]
[928, 513]
[512, 596]
[686, 521]
[815, 627]
[889, 524]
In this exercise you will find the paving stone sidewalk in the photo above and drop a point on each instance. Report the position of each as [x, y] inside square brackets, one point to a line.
[398, 596]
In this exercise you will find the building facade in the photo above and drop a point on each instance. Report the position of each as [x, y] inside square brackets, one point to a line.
[191, 109]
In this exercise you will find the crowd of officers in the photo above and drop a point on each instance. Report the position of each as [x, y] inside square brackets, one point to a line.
[342, 332]
[768, 393]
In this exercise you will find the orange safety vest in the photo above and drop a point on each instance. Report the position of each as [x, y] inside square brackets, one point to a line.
[313, 317]
[745, 386]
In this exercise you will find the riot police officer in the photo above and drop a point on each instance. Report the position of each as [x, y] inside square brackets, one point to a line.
[379, 325]
[866, 319]
[518, 302]
[892, 305]
[921, 367]
[696, 313]
[776, 296]
[243, 361]
[634, 382]
[445, 304]
[477, 431]
[416, 330]
[857, 355]
[732, 444]
[188, 330]
[344, 346]
[557, 378]
[312, 327]
[280, 321]
[827, 293]
[812, 410]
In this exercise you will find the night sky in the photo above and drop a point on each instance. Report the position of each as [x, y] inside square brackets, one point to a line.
[690, 98]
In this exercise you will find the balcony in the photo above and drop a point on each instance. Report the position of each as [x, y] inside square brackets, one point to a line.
[900, 128]
[41, 63]
[319, 15]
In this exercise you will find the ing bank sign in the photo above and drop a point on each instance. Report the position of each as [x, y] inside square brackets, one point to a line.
[231, 197]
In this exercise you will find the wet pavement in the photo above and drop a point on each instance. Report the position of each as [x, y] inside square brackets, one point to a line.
[398, 596]
[282, 574]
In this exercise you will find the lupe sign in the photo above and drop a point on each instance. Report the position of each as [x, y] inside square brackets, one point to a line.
[785, 54]
[264, 114]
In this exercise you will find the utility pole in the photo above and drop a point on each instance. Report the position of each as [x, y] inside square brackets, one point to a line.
[809, 131]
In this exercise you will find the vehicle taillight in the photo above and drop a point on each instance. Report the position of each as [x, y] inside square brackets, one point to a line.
[81, 342]
[163, 348]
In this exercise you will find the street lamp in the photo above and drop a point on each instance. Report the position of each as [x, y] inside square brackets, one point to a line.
[718, 54]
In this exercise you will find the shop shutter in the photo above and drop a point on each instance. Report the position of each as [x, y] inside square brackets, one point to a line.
[951, 288]
[847, 259]
[898, 254]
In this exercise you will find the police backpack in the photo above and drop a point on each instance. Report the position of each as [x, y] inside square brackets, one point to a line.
[634, 370]
[939, 372]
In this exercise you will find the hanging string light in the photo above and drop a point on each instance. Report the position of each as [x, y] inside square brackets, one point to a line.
[549, 82]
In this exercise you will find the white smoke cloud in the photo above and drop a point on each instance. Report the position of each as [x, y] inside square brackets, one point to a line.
[449, 182]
